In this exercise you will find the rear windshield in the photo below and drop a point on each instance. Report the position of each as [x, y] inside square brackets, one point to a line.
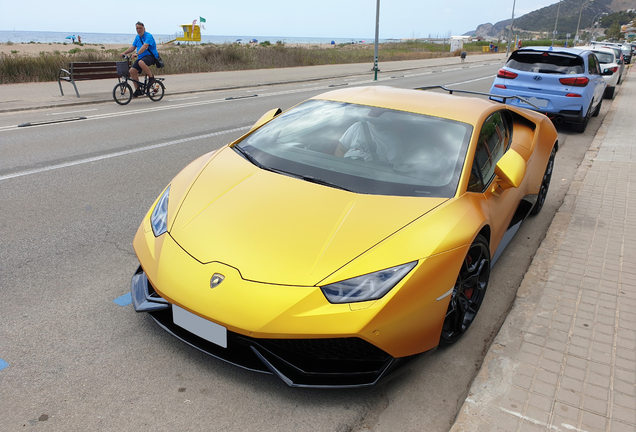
[546, 62]
[604, 57]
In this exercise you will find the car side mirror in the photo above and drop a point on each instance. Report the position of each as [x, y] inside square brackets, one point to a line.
[266, 117]
[510, 170]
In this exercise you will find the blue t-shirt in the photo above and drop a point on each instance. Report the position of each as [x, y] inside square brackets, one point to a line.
[146, 39]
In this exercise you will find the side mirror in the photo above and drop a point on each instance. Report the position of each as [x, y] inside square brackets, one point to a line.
[266, 117]
[510, 170]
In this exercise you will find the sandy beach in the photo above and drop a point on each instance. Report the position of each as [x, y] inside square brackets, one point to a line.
[34, 49]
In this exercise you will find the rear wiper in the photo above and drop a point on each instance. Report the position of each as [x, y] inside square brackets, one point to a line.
[551, 71]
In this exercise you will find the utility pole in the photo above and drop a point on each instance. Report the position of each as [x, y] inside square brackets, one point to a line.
[555, 23]
[377, 33]
[512, 22]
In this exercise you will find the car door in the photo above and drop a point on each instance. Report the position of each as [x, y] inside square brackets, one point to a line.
[598, 82]
[494, 140]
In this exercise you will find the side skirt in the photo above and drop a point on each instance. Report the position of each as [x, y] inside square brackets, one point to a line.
[520, 215]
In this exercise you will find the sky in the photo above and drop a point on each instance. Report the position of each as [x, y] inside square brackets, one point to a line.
[289, 18]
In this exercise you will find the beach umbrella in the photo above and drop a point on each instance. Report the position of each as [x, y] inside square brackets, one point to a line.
[254, 40]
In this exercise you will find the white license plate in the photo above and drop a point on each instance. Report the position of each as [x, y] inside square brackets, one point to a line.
[542, 103]
[199, 326]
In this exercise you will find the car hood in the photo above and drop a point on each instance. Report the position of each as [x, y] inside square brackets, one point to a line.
[281, 230]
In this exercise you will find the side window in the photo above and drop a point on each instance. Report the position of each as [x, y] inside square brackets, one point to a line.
[494, 139]
[593, 68]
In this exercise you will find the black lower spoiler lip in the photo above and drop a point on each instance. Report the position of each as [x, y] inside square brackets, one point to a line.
[271, 356]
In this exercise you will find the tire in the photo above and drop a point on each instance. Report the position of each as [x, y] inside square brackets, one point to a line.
[156, 91]
[609, 93]
[122, 93]
[597, 111]
[580, 127]
[468, 293]
[545, 184]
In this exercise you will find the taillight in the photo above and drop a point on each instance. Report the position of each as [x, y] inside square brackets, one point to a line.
[506, 74]
[572, 95]
[501, 86]
[575, 82]
[614, 69]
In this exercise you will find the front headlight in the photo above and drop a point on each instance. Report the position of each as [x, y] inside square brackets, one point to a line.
[159, 217]
[371, 286]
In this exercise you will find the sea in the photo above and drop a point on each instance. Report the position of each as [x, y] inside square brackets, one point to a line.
[17, 36]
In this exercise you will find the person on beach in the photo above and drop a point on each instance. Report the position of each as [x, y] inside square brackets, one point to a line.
[146, 55]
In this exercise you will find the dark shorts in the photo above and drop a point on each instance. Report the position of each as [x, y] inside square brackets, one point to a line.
[149, 60]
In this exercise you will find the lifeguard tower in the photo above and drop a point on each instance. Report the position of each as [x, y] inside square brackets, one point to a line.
[191, 33]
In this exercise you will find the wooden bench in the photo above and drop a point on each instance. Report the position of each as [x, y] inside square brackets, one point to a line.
[84, 71]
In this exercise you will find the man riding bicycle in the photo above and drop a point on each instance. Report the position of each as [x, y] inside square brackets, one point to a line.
[146, 55]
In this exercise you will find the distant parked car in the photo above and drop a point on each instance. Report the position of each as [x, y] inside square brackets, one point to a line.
[563, 83]
[620, 58]
[610, 69]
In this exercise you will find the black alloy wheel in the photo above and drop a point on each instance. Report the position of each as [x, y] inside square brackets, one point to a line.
[545, 184]
[468, 293]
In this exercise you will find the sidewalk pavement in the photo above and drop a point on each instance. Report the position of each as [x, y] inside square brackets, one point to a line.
[15, 97]
[565, 358]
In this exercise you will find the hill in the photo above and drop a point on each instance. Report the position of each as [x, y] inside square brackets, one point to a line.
[542, 20]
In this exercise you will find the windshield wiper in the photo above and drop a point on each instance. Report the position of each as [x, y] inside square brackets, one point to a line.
[249, 157]
[308, 178]
[312, 179]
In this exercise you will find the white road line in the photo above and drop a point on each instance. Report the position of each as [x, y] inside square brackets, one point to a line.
[72, 112]
[470, 81]
[188, 98]
[117, 154]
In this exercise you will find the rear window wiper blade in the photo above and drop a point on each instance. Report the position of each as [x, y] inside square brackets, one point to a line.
[551, 71]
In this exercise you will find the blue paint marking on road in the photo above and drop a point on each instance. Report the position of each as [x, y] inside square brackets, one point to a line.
[3, 364]
[124, 300]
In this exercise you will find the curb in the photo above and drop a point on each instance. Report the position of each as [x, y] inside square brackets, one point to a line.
[492, 380]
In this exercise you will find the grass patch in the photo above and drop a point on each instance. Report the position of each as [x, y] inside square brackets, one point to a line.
[227, 57]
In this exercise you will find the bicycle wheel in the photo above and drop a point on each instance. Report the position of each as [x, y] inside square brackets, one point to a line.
[156, 90]
[122, 93]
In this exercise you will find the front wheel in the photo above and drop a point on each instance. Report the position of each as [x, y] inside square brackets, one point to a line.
[468, 293]
[156, 90]
[122, 93]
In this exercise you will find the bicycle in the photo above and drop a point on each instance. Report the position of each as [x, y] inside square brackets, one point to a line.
[123, 92]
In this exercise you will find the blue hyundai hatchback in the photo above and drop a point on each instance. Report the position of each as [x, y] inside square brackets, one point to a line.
[564, 84]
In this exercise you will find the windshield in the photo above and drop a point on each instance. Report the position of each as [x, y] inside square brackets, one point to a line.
[363, 149]
[546, 62]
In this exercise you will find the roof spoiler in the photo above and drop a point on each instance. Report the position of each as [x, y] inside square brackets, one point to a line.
[504, 99]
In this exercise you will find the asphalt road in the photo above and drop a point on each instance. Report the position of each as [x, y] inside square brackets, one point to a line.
[72, 194]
